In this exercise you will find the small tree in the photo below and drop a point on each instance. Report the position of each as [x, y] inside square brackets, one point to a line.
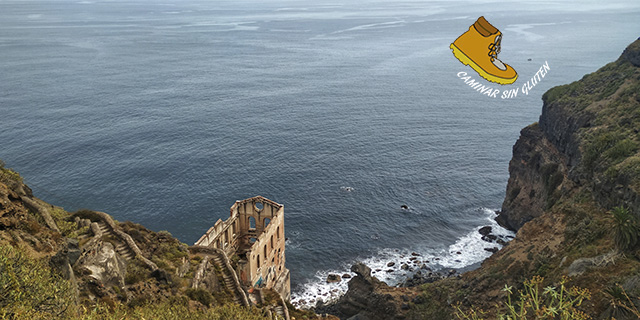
[625, 228]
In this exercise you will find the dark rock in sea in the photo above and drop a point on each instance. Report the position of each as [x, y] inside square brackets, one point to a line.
[485, 230]
[404, 207]
[333, 278]
[489, 238]
[501, 242]
[404, 267]
[346, 276]
[391, 264]
[421, 278]
[415, 254]
[492, 250]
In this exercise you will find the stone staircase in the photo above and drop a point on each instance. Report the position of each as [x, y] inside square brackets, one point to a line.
[102, 224]
[280, 312]
[121, 248]
[227, 278]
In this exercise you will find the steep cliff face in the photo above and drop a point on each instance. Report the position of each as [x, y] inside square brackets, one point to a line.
[536, 172]
[587, 136]
[567, 173]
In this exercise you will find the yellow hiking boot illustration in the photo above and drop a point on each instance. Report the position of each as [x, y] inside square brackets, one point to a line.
[479, 48]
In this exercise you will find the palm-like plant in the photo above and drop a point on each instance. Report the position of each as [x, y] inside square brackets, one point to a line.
[625, 228]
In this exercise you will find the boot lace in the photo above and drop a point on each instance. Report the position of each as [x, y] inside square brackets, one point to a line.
[494, 48]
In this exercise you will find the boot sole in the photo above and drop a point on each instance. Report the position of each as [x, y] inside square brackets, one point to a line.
[468, 62]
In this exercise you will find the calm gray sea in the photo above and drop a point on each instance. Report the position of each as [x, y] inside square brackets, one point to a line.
[165, 112]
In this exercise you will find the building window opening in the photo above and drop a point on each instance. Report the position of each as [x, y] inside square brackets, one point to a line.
[252, 223]
[266, 222]
[258, 261]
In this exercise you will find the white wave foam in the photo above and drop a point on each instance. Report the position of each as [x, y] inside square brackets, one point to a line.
[387, 264]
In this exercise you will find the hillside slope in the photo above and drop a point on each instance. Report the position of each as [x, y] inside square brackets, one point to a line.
[85, 265]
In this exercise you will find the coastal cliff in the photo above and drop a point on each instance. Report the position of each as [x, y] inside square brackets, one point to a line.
[573, 198]
[572, 176]
[586, 137]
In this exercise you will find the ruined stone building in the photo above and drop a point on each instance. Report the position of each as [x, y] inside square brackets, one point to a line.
[253, 236]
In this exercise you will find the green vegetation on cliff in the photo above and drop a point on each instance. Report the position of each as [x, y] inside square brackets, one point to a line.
[574, 197]
[58, 265]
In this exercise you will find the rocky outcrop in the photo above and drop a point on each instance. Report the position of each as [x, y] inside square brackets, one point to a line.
[126, 246]
[632, 53]
[104, 265]
[205, 276]
[536, 171]
[369, 298]
[230, 279]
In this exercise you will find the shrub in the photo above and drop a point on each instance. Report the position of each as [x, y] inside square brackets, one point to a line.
[625, 228]
[621, 305]
[136, 272]
[200, 295]
[28, 288]
[550, 303]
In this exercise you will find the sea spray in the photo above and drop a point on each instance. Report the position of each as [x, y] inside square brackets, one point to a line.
[394, 265]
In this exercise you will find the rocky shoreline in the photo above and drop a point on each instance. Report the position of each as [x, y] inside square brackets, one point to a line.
[367, 297]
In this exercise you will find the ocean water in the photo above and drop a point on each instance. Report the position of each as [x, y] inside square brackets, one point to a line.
[165, 112]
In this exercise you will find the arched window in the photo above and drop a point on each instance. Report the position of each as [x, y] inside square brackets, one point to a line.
[258, 261]
[265, 251]
[252, 223]
[271, 241]
[278, 232]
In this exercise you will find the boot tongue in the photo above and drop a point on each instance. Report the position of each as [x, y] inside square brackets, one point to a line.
[494, 53]
[499, 64]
